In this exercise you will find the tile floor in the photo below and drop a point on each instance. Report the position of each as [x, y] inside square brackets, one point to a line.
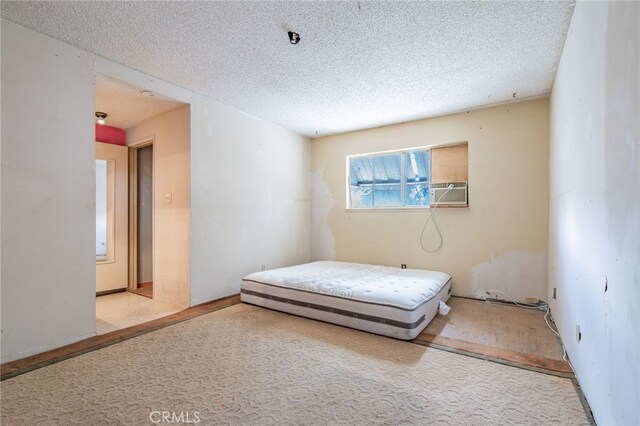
[121, 310]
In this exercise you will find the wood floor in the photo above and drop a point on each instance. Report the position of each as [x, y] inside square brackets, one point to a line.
[516, 335]
[501, 333]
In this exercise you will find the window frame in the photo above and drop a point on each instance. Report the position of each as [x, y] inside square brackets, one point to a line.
[404, 208]
[403, 181]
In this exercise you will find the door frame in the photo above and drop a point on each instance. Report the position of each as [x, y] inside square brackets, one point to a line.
[133, 206]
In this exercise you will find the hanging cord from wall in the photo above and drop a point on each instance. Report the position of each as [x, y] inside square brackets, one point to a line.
[432, 218]
[547, 310]
[564, 351]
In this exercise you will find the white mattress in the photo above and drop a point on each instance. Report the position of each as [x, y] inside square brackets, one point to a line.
[389, 301]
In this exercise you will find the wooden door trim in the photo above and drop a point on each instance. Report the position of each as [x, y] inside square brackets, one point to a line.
[133, 206]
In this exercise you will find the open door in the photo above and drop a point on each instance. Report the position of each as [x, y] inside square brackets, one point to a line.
[141, 218]
[112, 235]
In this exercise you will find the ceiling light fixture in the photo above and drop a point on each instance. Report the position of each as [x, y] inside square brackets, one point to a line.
[148, 93]
[101, 116]
[294, 38]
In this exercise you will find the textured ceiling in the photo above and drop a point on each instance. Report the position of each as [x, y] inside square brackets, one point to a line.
[125, 103]
[358, 64]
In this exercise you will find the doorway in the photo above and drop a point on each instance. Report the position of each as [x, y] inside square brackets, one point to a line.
[153, 131]
[141, 218]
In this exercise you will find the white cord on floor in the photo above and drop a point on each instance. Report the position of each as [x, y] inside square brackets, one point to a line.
[431, 217]
[540, 308]
[564, 351]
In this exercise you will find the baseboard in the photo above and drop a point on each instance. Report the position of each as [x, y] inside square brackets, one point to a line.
[33, 362]
[105, 292]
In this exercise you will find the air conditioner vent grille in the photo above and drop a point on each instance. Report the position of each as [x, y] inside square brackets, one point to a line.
[457, 196]
[446, 185]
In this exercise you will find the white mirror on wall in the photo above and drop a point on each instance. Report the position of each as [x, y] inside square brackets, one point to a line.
[104, 209]
[112, 228]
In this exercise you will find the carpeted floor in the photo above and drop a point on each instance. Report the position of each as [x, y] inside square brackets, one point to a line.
[251, 366]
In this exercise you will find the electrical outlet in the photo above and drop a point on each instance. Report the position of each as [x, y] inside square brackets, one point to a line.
[578, 334]
[554, 293]
[263, 267]
[403, 266]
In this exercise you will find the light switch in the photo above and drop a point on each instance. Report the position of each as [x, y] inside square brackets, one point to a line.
[168, 198]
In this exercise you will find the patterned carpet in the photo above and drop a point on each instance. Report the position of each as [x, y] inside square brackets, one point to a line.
[245, 365]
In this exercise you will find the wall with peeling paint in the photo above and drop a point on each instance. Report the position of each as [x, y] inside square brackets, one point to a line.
[594, 206]
[48, 193]
[499, 242]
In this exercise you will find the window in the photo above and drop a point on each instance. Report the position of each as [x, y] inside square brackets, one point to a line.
[396, 179]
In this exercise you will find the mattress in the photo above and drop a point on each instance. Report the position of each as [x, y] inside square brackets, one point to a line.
[393, 302]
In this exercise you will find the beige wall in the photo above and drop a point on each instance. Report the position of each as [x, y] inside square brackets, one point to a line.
[499, 242]
[171, 222]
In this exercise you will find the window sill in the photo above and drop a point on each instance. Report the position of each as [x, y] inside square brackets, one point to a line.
[403, 209]
[453, 206]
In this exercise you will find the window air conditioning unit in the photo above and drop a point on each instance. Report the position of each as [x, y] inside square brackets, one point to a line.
[443, 196]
